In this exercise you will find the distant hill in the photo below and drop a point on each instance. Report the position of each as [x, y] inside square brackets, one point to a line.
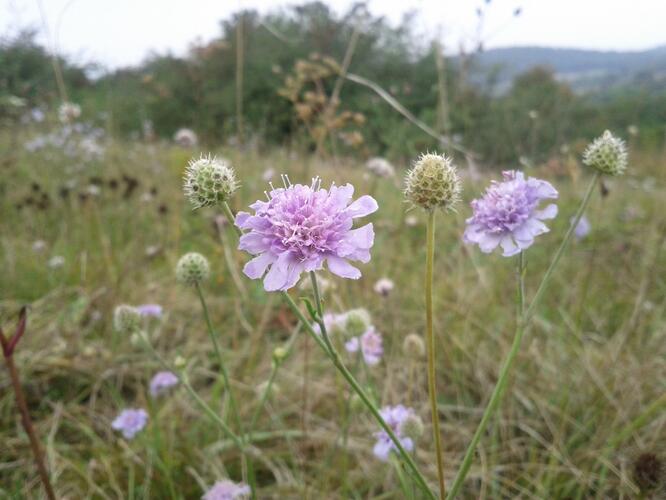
[585, 70]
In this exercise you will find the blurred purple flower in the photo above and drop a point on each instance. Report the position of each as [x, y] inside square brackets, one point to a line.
[507, 214]
[150, 310]
[394, 417]
[583, 227]
[370, 344]
[227, 490]
[300, 227]
[162, 382]
[130, 422]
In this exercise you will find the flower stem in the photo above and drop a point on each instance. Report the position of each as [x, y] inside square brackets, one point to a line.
[27, 425]
[220, 358]
[525, 314]
[246, 461]
[230, 217]
[182, 378]
[496, 396]
[560, 251]
[430, 337]
[337, 362]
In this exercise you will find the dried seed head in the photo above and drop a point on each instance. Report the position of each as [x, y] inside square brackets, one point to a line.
[209, 181]
[414, 346]
[126, 319]
[433, 183]
[608, 154]
[649, 471]
[192, 268]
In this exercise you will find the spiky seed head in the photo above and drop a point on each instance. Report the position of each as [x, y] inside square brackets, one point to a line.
[412, 427]
[414, 346]
[209, 181]
[192, 268]
[357, 322]
[607, 153]
[126, 319]
[433, 183]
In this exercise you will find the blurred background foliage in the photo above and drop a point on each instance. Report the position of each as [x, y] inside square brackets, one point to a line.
[535, 117]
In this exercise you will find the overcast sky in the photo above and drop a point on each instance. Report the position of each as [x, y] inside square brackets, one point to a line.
[122, 32]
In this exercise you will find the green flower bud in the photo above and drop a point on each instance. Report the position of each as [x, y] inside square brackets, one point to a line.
[126, 319]
[280, 354]
[608, 154]
[433, 183]
[357, 321]
[192, 268]
[209, 181]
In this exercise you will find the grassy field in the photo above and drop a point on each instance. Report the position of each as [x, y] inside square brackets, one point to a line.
[586, 398]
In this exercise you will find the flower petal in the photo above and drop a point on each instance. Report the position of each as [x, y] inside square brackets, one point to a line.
[547, 213]
[365, 205]
[509, 246]
[342, 268]
[488, 242]
[256, 268]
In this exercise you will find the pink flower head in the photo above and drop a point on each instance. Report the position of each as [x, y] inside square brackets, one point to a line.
[130, 422]
[150, 310]
[227, 490]
[583, 228]
[508, 214]
[394, 417]
[162, 382]
[371, 346]
[300, 227]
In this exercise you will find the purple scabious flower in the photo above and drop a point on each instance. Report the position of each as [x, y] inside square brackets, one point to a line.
[130, 422]
[370, 344]
[227, 490]
[150, 310]
[583, 227]
[301, 227]
[508, 214]
[394, 416]
[162, 382]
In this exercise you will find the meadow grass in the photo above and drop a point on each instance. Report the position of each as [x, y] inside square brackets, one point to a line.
[585, 399]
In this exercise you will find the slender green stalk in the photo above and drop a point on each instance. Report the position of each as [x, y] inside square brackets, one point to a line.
[271, 380]
[230, 217]
[430, 338]
[560, 251]
[246, 461]
[328, 349]
[522, 324]
[182, 378]
[337, 362]
[220, 358]
[496, 396]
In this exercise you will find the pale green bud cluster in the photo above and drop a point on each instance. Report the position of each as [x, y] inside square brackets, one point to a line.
[357, 322]
[192, 268]
[433, 183]
[280, 354]
[209, 181]
[126, 319]
[608, 154]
